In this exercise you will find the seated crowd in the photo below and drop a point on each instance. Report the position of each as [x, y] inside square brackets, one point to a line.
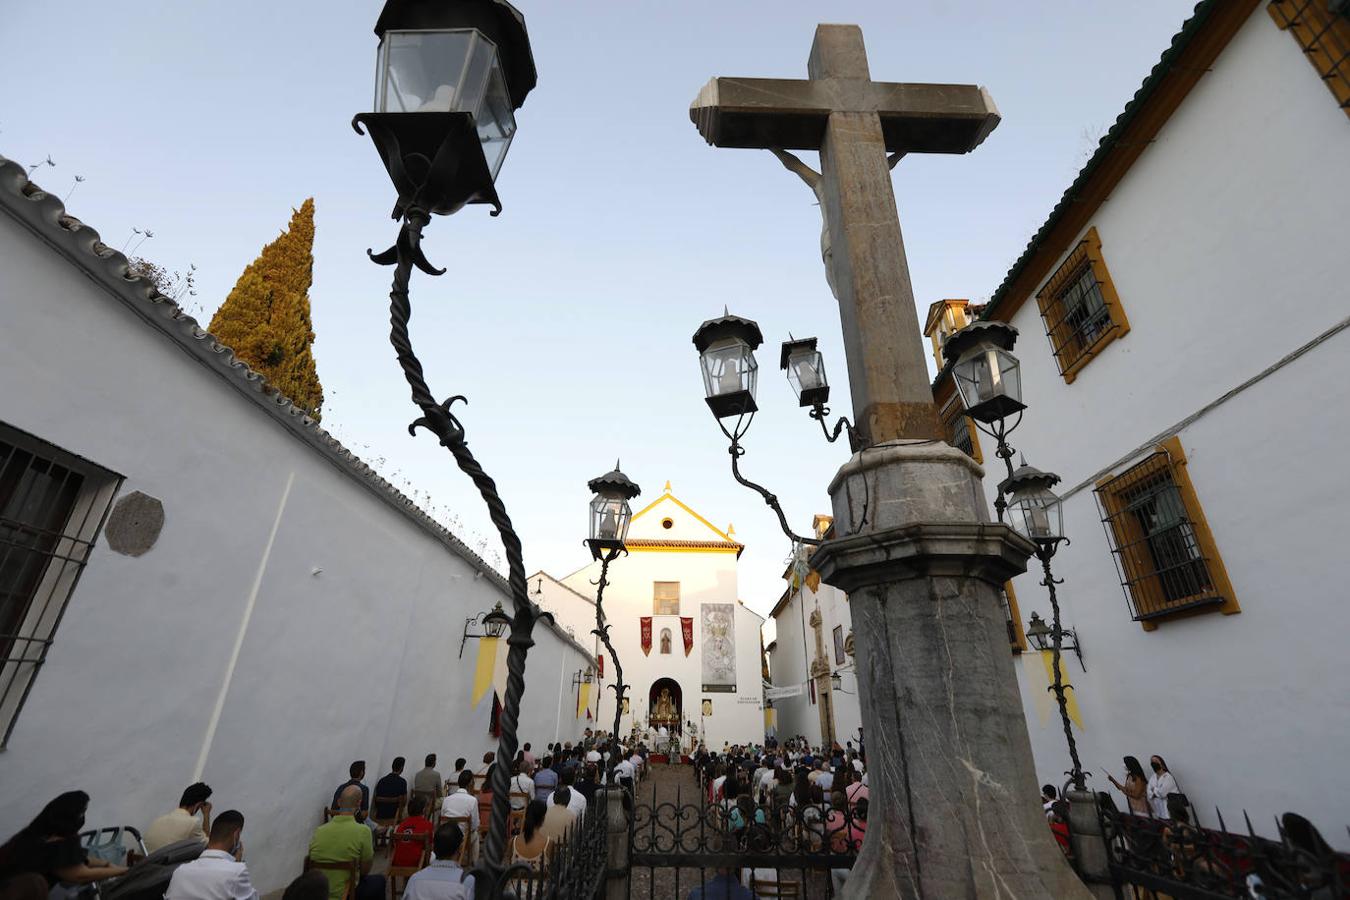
[432, 827]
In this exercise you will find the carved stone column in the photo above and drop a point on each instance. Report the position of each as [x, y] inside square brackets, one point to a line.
[954, 799]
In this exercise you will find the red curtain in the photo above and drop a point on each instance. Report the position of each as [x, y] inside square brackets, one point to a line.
[646, 624]
[687, 632]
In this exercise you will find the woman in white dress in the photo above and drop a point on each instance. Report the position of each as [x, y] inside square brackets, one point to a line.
[1160, 784]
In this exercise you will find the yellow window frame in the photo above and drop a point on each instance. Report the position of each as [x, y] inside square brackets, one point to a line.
[1324, 38]
[1070, 355]
[1141, 581]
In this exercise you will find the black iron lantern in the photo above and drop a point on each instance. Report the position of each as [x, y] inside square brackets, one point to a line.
[1034, 511]
[837, 681]
[610, 513]
[1039, 633]
[805, 369]
[726, 349]
[1042, 637]
[449, 77]
[987, 374]
[495, 622]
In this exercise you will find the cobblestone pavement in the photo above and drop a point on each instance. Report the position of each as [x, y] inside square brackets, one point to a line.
[667, 784]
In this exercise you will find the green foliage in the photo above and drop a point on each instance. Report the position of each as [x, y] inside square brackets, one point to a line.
[265, 320]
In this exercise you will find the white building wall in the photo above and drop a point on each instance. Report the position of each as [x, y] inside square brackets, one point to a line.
[356, 661]
[790, 664]
[1225, 244]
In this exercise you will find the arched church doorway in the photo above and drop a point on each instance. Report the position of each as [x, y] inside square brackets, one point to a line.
[665, 704]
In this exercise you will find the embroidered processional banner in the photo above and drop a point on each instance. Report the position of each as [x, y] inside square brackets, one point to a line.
[719, 648]
[645, 626]
[687, 632]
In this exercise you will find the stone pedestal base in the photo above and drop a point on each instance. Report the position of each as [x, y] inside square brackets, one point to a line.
[1089, 845]
[954, 809]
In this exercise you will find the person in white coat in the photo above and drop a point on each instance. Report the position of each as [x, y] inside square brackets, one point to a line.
[1160, 784]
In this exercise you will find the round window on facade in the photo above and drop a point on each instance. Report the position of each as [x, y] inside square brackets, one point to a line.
[667, 523]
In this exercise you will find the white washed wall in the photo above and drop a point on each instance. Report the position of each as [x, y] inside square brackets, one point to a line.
[1226, 244]
[356, 662]
[791, 664]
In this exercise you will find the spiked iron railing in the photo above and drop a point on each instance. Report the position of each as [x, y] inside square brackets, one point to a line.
[1177, 858]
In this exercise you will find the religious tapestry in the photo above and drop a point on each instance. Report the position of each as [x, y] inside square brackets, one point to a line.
[687, 632]
[719, 648]
[645, 625]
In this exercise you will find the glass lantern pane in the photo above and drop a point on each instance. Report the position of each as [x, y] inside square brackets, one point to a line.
[806, 371]
[424, 71]
[728, 366]
[1037, 515]
[495, 119]
[609, 518]
[1011, 375]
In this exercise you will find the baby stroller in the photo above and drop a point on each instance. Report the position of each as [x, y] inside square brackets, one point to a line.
[149, 878]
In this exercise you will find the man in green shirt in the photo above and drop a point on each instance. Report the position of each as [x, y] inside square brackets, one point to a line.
[345, 840]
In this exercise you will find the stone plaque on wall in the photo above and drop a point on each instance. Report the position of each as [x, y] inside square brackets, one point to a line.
[719, 648]
[134, 524]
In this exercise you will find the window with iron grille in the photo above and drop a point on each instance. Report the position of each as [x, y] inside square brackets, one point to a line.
[1164, 552]
[959, 429]
[1322, 30]
[1080, 308]
[52, 507]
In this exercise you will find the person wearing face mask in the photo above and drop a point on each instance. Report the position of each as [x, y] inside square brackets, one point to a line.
[1160, 784]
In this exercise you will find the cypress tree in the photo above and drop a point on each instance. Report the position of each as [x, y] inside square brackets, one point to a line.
[265, 319]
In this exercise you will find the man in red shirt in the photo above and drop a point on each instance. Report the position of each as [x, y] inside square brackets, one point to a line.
[409, 853]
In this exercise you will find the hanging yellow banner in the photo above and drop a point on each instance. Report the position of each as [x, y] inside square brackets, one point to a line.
[499, 670]
[583, 699]
[1071, 704]
[482, 672]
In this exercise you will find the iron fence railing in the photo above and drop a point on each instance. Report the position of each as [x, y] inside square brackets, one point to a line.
[1187, 862]
[788, 850]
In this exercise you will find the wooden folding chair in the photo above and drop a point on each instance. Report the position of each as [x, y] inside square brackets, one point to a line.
[352, 868]
[406, 872]
[465, 824]
[387, 823]
[774, 890]
[515, 822]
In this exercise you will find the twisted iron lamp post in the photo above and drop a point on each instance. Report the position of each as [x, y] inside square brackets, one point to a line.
[449, 77]
[610, 517]
[989, 379]
[1037, 513]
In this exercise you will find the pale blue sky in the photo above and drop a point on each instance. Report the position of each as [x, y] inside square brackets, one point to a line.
[567, 320]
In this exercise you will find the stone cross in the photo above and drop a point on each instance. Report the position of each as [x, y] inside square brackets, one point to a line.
[855, 122]
[952, 780]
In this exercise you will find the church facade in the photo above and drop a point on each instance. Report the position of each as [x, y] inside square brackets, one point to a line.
[689, 649]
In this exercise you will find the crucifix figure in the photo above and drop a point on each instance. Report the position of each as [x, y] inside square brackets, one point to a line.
[855, 123]
[952, 781]
[813, 180]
